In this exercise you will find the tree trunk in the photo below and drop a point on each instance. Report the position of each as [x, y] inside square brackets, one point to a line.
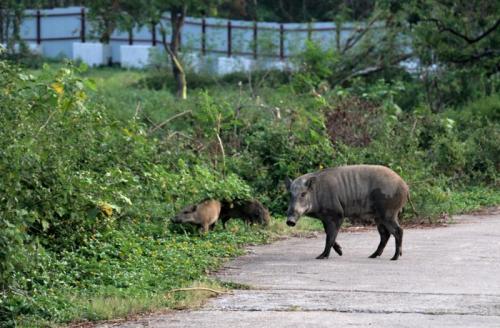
[16, 29]
[178, 14]
[2, 13]
[109, 21]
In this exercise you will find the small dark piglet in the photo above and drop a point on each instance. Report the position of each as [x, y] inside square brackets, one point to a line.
[251, 211]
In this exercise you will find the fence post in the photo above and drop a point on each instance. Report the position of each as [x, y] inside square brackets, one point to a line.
[203, 36]
[153, 34]
[38, 27]
[229, 45]
[255, 40]
[309, 31]
[282, 42]
[82, 25]
[130, 37]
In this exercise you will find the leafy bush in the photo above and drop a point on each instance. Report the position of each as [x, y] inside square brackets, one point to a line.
[66, 189]
[316, 66]
[353, 121]
[164, 80]
[23, 57]
[273, 150]
[477, 113]
[73, 176]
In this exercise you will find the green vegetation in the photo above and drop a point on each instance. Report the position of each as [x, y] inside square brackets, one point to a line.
[92, 178]
[93, 175]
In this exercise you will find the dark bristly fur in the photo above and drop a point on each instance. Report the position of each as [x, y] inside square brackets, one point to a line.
[251, 211]
[350, 191]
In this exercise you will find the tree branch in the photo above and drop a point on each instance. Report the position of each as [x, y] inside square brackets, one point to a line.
[174, 58]
[358, 34]
[477, 56]
[282, 8]
[221, 145]
[373, 69]
[469, 40]
[168, 120]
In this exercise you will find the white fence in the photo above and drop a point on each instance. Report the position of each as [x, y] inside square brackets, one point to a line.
[221, 45]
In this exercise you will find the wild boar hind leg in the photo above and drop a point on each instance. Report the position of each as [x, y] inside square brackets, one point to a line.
[332, 226]
[337, 248]
[397, 232]
[392, 226]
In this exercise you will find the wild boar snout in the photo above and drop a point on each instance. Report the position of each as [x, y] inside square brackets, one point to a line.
[291, 216]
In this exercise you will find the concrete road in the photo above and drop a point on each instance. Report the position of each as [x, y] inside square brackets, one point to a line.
[447, 277]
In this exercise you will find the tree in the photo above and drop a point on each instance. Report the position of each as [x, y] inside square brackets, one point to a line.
[105, 14]
[376, 45]
[297, 10]
[11, 15]
[456, 42]
[178, 12]
[153, 13]
[131, 12]
[458, 33]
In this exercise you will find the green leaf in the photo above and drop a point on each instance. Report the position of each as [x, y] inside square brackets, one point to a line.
[90, 84]
[45, 224]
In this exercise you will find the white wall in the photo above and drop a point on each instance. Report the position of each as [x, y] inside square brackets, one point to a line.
[216, 39]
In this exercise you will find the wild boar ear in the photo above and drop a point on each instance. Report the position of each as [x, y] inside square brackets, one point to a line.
[288, 183]
[310, 182]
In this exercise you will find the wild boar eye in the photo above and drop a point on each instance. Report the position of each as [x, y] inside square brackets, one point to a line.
[303, 194]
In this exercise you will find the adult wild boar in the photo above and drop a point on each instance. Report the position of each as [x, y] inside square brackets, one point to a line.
[251, 211]
[204, 214]
[350, 191]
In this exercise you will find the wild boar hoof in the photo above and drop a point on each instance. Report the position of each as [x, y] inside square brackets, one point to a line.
[321, 257]
[338, 249]
[395, 257]
[374, 255]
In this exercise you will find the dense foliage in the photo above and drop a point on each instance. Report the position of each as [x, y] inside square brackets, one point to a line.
[95, 167]
[73, 175]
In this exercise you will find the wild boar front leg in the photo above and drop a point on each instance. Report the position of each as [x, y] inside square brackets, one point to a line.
[336, 246]
[331, 228]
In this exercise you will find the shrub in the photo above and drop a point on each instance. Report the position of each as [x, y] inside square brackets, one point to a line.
[482, 154]
[316, 66]
[273, 151]
[164, 80]
[73, 173]
[353, 121]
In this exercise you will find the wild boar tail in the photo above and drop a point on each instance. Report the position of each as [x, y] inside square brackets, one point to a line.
[412, 206]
